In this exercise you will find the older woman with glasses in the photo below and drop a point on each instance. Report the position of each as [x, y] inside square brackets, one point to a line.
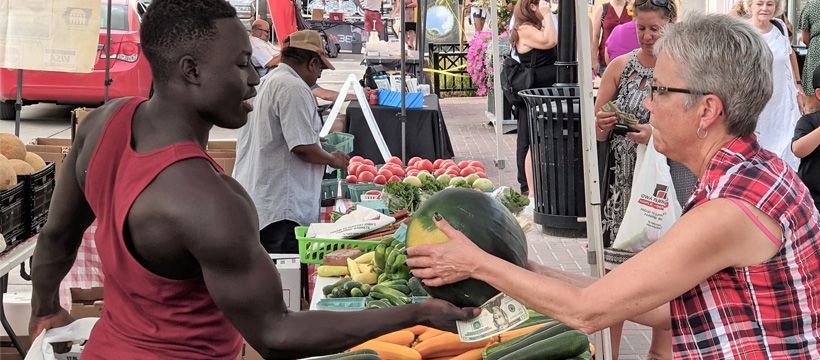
[738, 276]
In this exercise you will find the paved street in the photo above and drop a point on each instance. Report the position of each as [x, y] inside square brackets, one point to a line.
[471, 136]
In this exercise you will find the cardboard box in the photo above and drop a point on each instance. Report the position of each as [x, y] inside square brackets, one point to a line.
[77, 116]
[317, 15]
[224, 153]
[80, 310]
[289, 268]
[51, 150]
[86, 296]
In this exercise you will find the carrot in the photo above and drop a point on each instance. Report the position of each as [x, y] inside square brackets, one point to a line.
[401, 337]
[447, 344]
[474, 354]
[418, 329]
[429, 334]
[389, 351]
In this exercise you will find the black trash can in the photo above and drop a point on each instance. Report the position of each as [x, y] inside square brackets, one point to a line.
[557, 156]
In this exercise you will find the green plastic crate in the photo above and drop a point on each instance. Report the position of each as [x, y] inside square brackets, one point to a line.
[330, 186]
[313, 250]
[357, 190]
[338, 142]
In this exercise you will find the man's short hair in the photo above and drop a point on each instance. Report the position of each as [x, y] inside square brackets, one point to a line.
[172, 29]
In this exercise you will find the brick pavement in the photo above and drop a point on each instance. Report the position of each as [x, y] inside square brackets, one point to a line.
[474, 139]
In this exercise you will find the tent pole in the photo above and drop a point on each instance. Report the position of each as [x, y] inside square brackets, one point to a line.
[402, 81]
[107, 52]
[592, 184]
[18, 105]
[497, 93]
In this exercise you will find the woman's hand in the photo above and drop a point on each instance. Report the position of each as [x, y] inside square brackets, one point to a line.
[446, 263]
[643, 134]
[604, 122]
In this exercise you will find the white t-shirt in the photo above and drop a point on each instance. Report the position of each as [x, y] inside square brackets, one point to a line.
[372, 5]
[282, 186]
[263, 52]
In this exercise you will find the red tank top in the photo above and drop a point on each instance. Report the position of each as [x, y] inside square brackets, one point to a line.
[146, 316]
[610, 21]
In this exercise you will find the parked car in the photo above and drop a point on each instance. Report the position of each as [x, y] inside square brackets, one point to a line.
[129, 70]
[245, 11]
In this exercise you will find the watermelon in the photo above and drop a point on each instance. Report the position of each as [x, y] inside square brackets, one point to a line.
[484, 221]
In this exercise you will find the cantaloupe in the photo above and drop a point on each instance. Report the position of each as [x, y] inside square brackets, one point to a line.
[8, 178]
[35, 161]
[11, 147]
[21, 167]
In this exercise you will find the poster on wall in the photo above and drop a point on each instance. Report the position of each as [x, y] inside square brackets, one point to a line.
[442, 21]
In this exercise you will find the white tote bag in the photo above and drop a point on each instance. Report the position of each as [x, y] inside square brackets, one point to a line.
[653, 205]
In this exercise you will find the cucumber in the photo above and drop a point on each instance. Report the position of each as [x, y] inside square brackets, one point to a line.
[365, 289]
[500, 350]
[339, 292]
[356, 292]
[394, 282]
[365, 354]
[327, 289]
[382, 278]
[564, 345]
[416, 288]
[350, 285]
[403, 288]
[535, 319]
[342, 281]
[378, 304]
[394, 296]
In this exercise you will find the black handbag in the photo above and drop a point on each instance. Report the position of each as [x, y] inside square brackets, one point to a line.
[515, 77]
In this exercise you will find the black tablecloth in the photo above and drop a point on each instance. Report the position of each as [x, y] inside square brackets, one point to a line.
[427, 135]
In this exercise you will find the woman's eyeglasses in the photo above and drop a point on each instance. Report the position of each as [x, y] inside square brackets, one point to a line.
[660, 90]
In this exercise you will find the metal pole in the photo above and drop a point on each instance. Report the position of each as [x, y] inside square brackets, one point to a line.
[567, 45]
[792, 6]
[497, 93]
[403, 60]
[18, 105]
[107, 52]
[421, 39]
[592, 187]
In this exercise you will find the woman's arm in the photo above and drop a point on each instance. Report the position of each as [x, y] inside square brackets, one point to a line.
[708, 239]
[596, 36]
[531, 37]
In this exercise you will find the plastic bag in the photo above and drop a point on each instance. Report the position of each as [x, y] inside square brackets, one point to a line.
[653, 206]
[76, 332]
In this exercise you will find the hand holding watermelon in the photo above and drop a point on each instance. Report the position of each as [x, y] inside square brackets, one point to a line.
[448, 262]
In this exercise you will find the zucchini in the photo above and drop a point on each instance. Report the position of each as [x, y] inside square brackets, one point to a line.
[500, 350]
[403, 288]
[535, 319]
[395, 282]
[564, 345]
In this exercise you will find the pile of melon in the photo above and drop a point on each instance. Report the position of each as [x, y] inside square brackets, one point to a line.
[15, 160]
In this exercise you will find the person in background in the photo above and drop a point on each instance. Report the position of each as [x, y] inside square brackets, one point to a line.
[186, 277]
[622, 40]
[806, 141]
[738, 276]
[810, 28]
[265, 56]
[410, 13]
[479, 11]
[626, 82]
[533, 37]
[778, 119]
[605, 18]
[372, 16]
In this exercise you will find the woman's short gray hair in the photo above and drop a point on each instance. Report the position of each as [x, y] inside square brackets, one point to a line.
[726, 56]
[779, 7]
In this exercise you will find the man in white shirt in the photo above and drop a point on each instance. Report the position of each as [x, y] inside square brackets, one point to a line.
[265, 56]
[372, 15]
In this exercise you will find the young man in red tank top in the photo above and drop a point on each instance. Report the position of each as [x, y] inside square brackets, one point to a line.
[186, 276]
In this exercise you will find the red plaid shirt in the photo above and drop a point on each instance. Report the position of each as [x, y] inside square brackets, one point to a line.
[766, 311]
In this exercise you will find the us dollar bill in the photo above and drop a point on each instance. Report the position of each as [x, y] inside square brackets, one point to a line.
[499, 314]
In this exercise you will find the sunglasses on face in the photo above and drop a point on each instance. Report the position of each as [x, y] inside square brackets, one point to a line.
[658, 3]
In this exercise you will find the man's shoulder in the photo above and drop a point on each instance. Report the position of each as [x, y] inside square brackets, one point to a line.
[811, 120]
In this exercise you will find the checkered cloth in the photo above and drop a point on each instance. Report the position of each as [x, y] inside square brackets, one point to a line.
[87, 270]
[766, 311]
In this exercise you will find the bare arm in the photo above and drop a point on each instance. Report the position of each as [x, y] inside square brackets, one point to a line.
[316, 155]
[245, 285]
[806, 36]
[596, 35]
[703, 242]
[807, 144]
[273, 61]
[546, 38]
[330, 95]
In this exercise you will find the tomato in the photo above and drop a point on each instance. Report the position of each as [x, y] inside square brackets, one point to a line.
[385, 171]
[477, 164]
[356, 159]
[437, 163]
[395, 160]
[463, 164]
[351, 179]
[366, 176]
[379, 179]
[394, 178]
